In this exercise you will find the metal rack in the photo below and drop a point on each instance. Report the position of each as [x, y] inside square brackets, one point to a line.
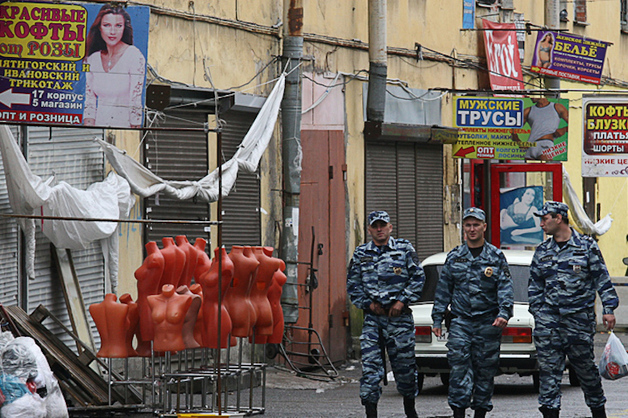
[308, 358]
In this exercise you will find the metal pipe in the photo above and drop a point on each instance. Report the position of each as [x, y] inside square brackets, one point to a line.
[291, 152]
[378, 67]
[552, 21]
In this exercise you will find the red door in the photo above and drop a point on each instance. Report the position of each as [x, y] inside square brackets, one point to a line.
[322, 210]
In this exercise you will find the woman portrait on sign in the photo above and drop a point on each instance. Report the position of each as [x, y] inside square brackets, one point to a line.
[518, 223]
[115, 80]
[544, 52]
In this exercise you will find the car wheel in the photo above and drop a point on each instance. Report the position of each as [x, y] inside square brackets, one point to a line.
[536, 382]
[573, 377]
[420, 380]
[444, 378]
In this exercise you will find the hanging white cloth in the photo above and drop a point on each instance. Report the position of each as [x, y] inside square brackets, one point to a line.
[578, 214]
[30, 195]
[145, 183]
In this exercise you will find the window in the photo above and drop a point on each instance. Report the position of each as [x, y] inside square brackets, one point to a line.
[580, 11]
[624, 16]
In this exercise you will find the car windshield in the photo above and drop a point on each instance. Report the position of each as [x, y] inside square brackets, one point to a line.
[520, 276]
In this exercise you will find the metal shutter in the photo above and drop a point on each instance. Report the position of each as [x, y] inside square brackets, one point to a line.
[71, 156]
[406, 180]
[241, 215]
[177, 155]
[381, 179]
[429, 199]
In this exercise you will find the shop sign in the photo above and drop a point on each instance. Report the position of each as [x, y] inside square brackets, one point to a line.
[568, 56]
[73, 63]
[605, 142]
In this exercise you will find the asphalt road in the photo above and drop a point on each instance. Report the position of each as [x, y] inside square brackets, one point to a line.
[290, 396]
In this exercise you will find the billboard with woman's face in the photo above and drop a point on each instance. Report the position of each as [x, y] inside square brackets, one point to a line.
[73, 63]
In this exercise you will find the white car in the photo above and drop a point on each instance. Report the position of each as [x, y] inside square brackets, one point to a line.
[517, 355]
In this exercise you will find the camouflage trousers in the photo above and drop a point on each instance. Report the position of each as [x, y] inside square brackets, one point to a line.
[571, 336]
[397, 335]
[473, 355]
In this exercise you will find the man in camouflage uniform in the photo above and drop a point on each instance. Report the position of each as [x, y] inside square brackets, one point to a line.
[383, 278]
[566, 272]
[476, 283]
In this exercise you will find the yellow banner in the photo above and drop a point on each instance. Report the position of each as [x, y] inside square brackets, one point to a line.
[42, 31]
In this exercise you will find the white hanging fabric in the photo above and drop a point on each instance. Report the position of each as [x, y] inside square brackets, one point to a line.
[30, 195]
[145, 183]
[578, 214]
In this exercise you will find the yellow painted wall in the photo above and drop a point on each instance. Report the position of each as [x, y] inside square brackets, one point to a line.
[232, 40]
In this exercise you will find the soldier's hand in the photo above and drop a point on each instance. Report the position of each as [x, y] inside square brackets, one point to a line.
[395, 309]
[500, 322]
[377, 308]
[609, 321]
[437, 331]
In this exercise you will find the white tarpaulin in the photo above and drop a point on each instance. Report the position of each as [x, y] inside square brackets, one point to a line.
[144, 183]
[578, 214]
[29, 195]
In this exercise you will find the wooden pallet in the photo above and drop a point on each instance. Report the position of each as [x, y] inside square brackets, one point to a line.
[77, 379]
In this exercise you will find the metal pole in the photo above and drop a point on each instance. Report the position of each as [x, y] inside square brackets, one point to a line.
[552, 21]
[291, 152]
[378, 67]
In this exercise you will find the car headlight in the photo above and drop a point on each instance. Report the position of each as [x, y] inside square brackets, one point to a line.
[423, 334]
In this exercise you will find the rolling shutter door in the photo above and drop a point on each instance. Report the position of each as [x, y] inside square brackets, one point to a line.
[72, 156]
[177, 155]
[241, 218]
[429, 198]
[406, 180]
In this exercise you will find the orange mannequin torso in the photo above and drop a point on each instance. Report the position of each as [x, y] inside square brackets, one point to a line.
[199, 324]
[203, 262]
[112, 322]
[190, 317]
[175, 263]
[191, 258]
[148, 277]
[237, 299]
[134, 323]
[168, 310]
[274, 297]
[209, 282]
[259, 291]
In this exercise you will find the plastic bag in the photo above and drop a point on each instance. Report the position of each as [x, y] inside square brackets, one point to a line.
[23, 359]
[28, 406]
[614, 362]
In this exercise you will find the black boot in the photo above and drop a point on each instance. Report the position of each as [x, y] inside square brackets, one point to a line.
[549, 412]
[371, 409]
[599, 412]
[458, 412]
[480, 413]
[408, 407]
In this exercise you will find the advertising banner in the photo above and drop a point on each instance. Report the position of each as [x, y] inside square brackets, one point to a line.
[502, 56]
[568, 56]
[517, 223]
[605, 142]
[73, 63]
[506, 128]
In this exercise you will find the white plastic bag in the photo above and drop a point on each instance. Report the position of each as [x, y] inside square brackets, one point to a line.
[614, 362]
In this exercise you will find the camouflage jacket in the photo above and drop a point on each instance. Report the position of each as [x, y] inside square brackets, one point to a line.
[566, 279]
[474, 287]
[385, 274]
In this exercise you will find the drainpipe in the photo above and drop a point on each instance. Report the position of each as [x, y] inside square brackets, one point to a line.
[378, 68]
[291, 153]
[552, 21]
